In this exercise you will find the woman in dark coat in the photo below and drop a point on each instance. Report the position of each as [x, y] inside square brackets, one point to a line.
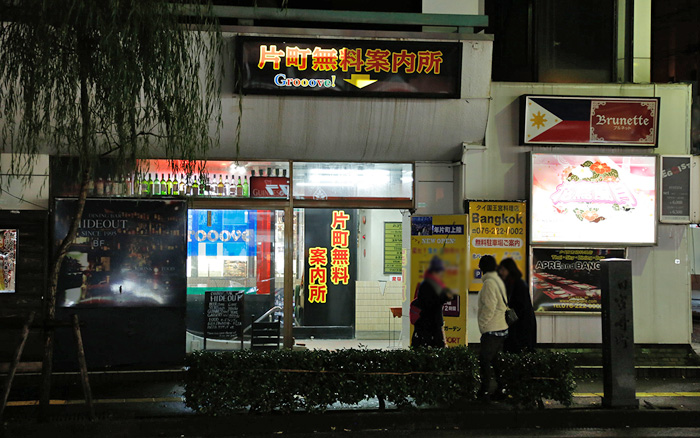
[522, 336]
[432, 294]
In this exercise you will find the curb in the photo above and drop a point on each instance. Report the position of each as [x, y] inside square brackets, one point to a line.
[409, 421]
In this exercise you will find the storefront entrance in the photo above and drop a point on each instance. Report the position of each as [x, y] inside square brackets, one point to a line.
[347, 274]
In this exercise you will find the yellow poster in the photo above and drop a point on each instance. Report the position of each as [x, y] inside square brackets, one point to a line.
[497, 229]
[446, 237]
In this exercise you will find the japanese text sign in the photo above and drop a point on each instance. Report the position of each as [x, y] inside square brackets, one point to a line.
[349, 67]
[496, 229]
[339, 260]
[443, 236]
[590, 120]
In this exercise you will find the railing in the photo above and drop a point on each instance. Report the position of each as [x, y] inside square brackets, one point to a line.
[265, 315]
[462, 23]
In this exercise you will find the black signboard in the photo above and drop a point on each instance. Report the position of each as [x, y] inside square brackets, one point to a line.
[330, 270]
[223, 314]
[568, 279]
[675, 189]
[358, 68]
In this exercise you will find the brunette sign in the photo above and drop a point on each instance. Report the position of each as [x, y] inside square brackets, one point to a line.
[590, 121]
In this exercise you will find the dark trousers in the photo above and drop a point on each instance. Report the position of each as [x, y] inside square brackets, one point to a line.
[491, 345]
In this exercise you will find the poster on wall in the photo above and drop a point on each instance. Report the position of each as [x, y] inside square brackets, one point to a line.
[445, 237]
[392, 247]
[568, 279]
[593, 199]
[126, 254]
[8, 258]
[497, 229]
[675, 196]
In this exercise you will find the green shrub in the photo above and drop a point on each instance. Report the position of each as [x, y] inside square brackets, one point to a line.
[531, 377]
[224, 382]
[220, 383]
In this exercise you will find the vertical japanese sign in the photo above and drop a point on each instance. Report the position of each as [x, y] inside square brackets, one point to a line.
[445, 237]
[497, 229]
[330, 267]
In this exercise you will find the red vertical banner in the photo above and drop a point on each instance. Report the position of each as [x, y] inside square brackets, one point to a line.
[264, 252]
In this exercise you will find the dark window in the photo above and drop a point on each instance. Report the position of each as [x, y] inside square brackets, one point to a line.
[552, 40]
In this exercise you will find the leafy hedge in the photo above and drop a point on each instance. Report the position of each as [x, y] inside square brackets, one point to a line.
[220, 383]
[225, 382]
[530, 377]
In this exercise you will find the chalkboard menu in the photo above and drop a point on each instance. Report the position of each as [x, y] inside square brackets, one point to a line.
[675, 189]
[223, 314]
[392, 247]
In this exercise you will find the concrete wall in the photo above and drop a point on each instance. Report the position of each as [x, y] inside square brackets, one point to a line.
[660, 273]
[17, 194]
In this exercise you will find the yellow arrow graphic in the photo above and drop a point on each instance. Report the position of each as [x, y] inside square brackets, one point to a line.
[360, 81]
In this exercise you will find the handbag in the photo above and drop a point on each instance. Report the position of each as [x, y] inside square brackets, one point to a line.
[511, 316]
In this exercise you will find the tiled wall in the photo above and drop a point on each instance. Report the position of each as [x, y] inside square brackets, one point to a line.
[373, 319]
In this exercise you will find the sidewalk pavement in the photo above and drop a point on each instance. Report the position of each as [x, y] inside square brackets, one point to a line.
[152, 405]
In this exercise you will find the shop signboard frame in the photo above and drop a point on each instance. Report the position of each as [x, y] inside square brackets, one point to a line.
[349, 67]
[589, 121]
[565, 292]
[618, 199]
[677, 181]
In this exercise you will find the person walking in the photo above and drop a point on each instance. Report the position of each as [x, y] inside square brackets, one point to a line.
[491, 314]
[522, 336]
[432, 293]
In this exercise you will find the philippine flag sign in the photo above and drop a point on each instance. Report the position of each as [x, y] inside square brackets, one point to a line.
[564, 120]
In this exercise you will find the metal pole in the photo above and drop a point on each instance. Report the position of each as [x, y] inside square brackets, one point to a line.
[288, 308]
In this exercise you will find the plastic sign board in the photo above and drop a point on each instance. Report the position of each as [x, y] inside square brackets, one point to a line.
[498, 229]
[370, 68]
[276, 187]
[593, 199]
[559, 120]
[445, 237]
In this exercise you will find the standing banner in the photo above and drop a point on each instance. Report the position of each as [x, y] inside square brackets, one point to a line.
[445, 237]
[568, 279]
[496, 228]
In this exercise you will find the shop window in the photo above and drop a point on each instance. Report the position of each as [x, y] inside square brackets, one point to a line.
[335, 181]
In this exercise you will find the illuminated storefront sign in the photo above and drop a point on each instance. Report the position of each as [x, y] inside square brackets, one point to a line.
[350, 67]
[339, 260]
[593, 199]
[598, 121]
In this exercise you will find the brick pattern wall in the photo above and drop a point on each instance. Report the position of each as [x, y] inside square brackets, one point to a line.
[373, 319]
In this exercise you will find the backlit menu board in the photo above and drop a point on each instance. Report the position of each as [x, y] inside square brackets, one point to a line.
[593, 199]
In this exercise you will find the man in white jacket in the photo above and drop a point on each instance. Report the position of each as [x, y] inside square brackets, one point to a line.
[492, 321]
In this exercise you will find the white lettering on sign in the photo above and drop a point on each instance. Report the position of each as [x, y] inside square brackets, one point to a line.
[628, 121]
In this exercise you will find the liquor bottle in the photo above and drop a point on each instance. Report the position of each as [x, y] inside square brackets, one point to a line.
[169, 185]
[269, 172]
[284, 173]
[232, 191]
[239, 187]
[220, 188]
[277, 172]
[108, 186]
[155, 187]
[176, 185]
[163, 185]
[129, 187]
[245, 194]
[226, 186]
[143, 185]
[195, 186]
[204, 188]
[117, 185]
[183, 185]
[252, 173]
[100, 187]
[151, 185]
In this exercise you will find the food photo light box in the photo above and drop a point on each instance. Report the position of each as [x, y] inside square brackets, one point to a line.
[593, 199]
